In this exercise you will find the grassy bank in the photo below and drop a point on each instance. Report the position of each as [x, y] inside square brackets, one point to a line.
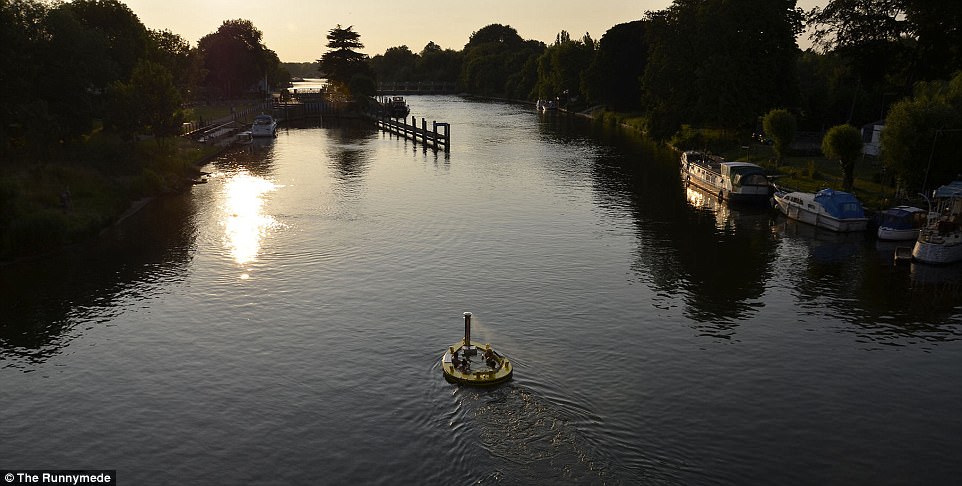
[812, 172]
[75, 191]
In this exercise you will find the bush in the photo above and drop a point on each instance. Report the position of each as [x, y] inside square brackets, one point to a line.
[713, 140]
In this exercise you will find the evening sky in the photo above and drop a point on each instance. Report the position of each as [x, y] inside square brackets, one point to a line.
[296, 30]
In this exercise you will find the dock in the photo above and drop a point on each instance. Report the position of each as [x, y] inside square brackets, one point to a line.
[438, 137]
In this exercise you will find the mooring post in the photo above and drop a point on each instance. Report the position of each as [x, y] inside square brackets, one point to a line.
[467, 329]
[424, 131]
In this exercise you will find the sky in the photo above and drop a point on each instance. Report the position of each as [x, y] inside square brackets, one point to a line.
[296, 29]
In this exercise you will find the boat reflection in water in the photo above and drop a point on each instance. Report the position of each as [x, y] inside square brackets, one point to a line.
[244, 221]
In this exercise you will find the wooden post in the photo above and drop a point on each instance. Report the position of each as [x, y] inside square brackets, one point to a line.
[424, 132]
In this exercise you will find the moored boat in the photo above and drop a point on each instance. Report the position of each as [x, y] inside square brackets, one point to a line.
[833, 210]
[733, 181]
[471, 363]
[900, 223]
[264, 126]
[940, 241]
[396, 107]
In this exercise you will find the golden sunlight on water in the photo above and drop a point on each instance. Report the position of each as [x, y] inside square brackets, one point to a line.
[244, 222]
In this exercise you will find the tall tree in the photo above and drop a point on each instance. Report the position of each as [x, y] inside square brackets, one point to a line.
[174, 53]
[613, 78]
[721, 62]
[560, 67]
[124, 37]
[892, 43]
[342, 64]
[498, 62]
[843, 143]
[235, 57]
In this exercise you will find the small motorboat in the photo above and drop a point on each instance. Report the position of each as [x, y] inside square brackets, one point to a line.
[264, 126]
[900, 223]
[470, 363]
[829, 209]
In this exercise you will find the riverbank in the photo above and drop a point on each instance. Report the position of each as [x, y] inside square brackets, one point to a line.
[76, 192]
[802, 171]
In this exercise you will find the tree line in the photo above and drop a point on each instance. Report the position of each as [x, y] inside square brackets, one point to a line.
[696, 63]
[726, 64]
[69, 68]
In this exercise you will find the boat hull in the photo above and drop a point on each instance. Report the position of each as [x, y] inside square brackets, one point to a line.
[892, 234]
[937, 251]
[819, 219]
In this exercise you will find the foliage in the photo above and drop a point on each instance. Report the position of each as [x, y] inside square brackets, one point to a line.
[613, 77]
[235, 58]
[781, 126]
[918, 39]
[343, 66]
[561, 65]
[843, 143]
[498, 62]
[922, 135]
[173, 52]
[717, 62]
[709, 140]
[396, 64]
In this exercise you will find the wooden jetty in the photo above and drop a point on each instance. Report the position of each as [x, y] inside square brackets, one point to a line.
[437, 137]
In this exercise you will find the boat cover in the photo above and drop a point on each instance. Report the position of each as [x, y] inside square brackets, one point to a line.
[841, 205]
[902, 217]
[950, 190]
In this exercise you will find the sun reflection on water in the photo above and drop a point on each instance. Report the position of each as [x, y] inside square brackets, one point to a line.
[244, 222]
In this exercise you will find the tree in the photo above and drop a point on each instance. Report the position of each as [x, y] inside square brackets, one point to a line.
[174, 53]
[498, 62]
[148, 103]
[780, 125]
[560, 67]
[124, 37]
[844, 143]
[719, 62]
[396, 64]
[342, 62]
[892, 43]
[922, 135]
[613, 78]
[235, 58]
[436, 64]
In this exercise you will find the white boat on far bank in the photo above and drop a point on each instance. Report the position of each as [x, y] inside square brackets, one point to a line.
[264, 126]
[833, 210]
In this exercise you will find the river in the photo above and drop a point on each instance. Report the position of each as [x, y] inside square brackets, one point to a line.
[284, 323]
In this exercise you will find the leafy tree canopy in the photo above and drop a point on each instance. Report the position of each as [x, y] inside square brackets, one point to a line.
[623, 49]
[235, 57]
[922, 135]
[843, 143]
[781, 126]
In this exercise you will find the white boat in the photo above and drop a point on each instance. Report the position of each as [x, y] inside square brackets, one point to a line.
[900, 223]
[833, 210]
[264, 126]
[940, 241]
[733, 181]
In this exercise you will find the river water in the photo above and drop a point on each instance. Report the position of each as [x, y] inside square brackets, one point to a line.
[283, 324]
